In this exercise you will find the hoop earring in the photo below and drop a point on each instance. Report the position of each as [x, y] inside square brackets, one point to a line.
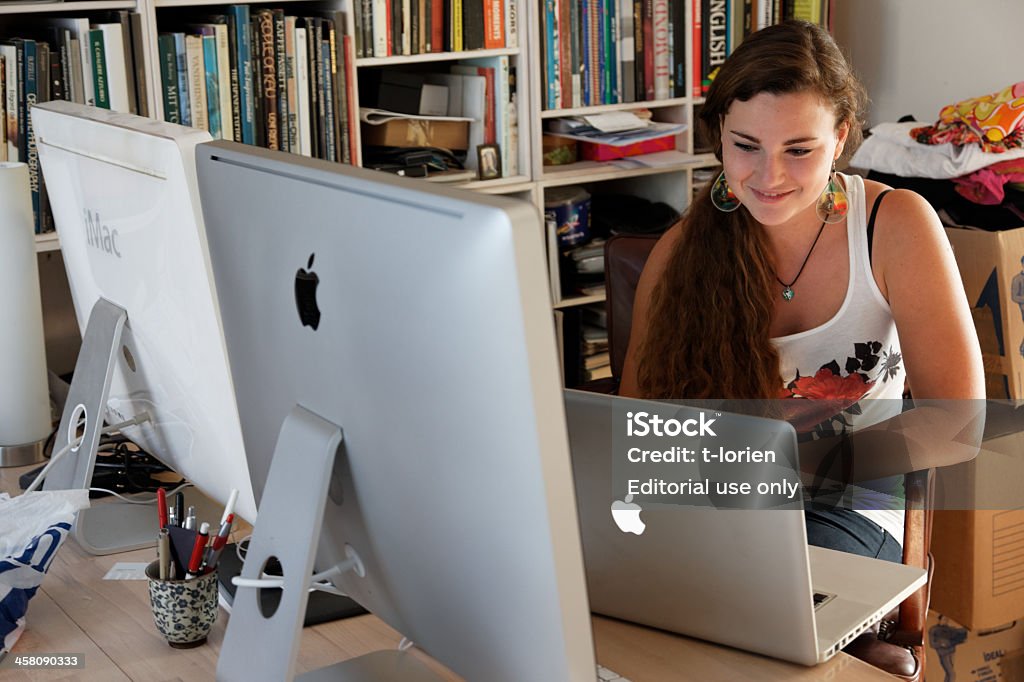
[722, 196]
[833, 203]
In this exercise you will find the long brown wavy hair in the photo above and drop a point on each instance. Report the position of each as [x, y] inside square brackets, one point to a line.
[708, 331]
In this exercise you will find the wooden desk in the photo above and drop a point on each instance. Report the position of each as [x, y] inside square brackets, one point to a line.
[76, 611]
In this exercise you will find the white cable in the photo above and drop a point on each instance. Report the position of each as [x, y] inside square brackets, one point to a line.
[258, 583]
[239, 551]
[139, 418]
[406, 644]
[130, 500]
[329, 588]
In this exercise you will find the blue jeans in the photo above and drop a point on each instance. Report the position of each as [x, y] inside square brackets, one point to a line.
[847, 531]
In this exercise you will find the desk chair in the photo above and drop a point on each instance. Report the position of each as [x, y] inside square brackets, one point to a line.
[901, 653]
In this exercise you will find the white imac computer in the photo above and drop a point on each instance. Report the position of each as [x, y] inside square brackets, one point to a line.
[123, 194]
[395, 363]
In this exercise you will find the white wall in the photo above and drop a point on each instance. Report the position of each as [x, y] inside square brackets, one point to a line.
[916, 56]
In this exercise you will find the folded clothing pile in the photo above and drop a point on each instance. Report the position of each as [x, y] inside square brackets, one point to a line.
[977, 143]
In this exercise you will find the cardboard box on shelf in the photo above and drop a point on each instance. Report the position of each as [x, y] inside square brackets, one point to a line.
[992, 268]
[417, 132]
[954, 652]
[978, 536]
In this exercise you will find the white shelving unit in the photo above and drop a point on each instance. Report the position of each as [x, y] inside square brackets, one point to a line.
[671, 184]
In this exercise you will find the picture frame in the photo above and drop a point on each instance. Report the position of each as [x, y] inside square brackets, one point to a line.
[488, 161]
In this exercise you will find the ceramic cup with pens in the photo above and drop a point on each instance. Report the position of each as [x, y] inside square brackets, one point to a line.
[184, 610]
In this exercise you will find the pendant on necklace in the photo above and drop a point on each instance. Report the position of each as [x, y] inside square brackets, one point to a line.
[787, 294]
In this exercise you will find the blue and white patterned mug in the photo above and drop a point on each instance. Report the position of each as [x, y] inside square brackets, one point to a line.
[184, 610]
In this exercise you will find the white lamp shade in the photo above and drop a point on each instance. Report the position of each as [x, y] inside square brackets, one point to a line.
[24, 396]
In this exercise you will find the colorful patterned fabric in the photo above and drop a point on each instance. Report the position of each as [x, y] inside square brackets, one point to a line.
[995, 122]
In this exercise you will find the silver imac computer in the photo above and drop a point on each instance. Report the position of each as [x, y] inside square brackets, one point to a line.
[123, 194]
[394, 359]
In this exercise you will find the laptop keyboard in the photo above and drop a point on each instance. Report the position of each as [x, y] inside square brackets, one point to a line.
[606, 675]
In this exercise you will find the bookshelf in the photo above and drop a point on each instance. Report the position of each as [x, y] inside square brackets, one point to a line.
[669, 181]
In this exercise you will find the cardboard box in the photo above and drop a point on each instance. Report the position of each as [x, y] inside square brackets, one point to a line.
[417, 132]
[978, 536]
[955, 652]
[991, 268]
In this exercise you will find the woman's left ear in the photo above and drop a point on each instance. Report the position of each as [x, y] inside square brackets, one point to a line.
[841, 134]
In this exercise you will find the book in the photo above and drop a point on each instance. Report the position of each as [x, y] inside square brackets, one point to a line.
[627, 52]
[331, 150]
[649, 50]
[494, 24]
[472, 24]
[12, 77]
[661, 50]
[302, 102]
[211, 74]
[697, 31]
[194, 56]
[138, 63]
[291, 84]
[184, 95]
[99, 68]
[281, 74]
[169, 77]
[79, 29]
[116, 68]
[3, 108]
[677, 21]
[246, 69]
[714, 26]
[267, 65]
[224, 94]
[490, 98]
[497, 71]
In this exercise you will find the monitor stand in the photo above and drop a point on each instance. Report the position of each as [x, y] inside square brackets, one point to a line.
[290, 517]
[109, 527]
[321, 607]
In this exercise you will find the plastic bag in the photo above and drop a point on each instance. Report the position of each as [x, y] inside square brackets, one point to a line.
[32, 527]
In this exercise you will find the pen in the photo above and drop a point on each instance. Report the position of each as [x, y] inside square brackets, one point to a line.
[163, 553]
[190, 518]
[161, 506]
[217, 544]
[179, 508]
[197, 551]
[172, 516]
[229, 508]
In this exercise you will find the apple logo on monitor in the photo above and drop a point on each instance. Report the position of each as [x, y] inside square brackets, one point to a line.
[306, 282]
[626, 515]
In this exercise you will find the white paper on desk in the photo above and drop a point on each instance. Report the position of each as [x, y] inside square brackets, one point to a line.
[127, 570]
[378, 116]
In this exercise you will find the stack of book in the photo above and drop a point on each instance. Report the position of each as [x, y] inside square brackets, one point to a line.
[405, 27]
[620, 51]
[96, 62]
[262, 77]
[594, 344]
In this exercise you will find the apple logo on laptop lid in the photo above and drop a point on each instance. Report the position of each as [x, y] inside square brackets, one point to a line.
[626, 515]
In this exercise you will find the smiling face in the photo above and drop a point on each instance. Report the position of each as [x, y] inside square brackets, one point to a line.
[777, 151]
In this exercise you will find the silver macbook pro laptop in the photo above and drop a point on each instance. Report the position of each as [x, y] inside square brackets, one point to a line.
[740, 577]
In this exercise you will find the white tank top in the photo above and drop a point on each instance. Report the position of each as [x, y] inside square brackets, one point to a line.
[855, 355]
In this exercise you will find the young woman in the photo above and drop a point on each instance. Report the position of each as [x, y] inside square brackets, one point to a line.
[775, 286]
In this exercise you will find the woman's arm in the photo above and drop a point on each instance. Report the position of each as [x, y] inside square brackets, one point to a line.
[917, 273]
